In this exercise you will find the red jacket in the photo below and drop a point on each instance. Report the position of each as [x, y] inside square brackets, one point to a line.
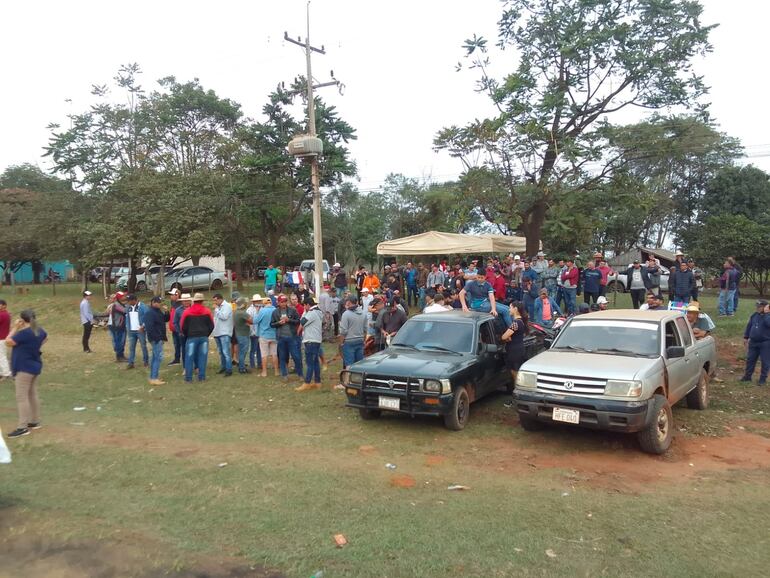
[571, 275]
[498, 284]
[197, 321]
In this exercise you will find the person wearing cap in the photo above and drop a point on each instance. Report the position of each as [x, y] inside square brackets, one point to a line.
[223, 333]
[756, 338]
[701, 325]
[697, 275]
[374, 341]
[285, 321]
[482, 298]
[352, 332]
[155, 320]
[570, 277]
[268, 340]
[539, 265]
[116, 320]
[86, 319]
[635, 280]
[602, 303]
[311, 328]
[546, 309]
[174, 307]
[550, 277]
[197, 324]
[135, 313]
[651, 271]
[360, 278]
[366, 298]
[185, 301]
[255, 354]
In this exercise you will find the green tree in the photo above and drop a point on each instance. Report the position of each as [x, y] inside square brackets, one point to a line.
[579, 63]
[738, 191]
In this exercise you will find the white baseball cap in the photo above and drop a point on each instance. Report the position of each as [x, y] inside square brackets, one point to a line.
[174, 291]
[516, 258]
[87, 293]
[601, 300]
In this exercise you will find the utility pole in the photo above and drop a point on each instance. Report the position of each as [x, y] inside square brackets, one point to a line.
[314, 176]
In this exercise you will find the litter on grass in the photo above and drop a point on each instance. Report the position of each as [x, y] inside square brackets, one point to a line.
[79, 408]
[390, 466]
[340, 540]
[222, 465]
[458, 488]
[550, 553]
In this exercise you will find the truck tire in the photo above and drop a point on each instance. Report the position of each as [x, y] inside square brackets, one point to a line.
[615, 286]
[698, 398]
[460, 412]
[530, 423]
[368, 414]
[656, 437]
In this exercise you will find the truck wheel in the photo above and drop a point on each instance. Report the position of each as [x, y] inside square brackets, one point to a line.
[656, 437]
[460, 412]
[368, 414]
[530, 424]
[615, 286]
[698, 398]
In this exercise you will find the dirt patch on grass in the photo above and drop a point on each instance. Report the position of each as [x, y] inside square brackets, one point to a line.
[432, 461]
[27, 549]
[402, 481]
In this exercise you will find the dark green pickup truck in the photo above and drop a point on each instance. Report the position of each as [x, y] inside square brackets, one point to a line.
[438, 364]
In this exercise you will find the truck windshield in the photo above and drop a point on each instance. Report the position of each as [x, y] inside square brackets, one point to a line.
[436, 336]
[612, 337]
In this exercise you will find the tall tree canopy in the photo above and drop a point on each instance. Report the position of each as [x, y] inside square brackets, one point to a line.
[579, 63]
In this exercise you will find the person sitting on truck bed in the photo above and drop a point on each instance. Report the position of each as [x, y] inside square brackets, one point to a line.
[701, 324]
[482, 298]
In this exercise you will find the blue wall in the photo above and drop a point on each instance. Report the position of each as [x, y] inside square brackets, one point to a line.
[24, 275]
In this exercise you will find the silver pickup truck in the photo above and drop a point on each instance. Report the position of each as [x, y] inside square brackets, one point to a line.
[618, 370]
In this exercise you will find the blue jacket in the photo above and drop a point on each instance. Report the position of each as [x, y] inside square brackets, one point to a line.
[592, 280]
[178, 311]
[155, 324]
[411, 277]
[142, 308]
[684, 283]
[758, 328]
[532, 275]
[539, 310]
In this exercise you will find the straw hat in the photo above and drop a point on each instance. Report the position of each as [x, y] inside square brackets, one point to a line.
[198, 297]
[185, 297]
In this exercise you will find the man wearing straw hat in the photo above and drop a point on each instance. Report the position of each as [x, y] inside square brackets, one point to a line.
[197, 324]
[255, 354]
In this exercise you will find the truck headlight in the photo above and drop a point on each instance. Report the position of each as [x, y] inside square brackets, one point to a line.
[431, 385]
[622, 388]
[351, 378]
[526, 380]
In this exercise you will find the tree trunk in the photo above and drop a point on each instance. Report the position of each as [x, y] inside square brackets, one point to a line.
[238, 262]
[37, 268]
[532, 227]
[271, 246]
[196, 260]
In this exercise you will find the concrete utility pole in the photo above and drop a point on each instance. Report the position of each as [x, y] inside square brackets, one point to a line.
[314, 176]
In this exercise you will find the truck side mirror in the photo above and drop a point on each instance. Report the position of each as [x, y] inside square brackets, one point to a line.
[674, 351]
[490, 348]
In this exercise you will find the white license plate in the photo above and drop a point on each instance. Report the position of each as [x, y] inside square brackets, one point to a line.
[566, 415]
[390, 403]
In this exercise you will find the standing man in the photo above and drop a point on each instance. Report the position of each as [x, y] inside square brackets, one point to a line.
[352, 332]
[697, 275]
[728, 284]
[422, 285]
[285, 321]
[155, 328]
[135, 313]
[311, 326]
[529, 273]
[636, 284]
[652, 272]
[175, 309]
[550, 277]
[684, 283]
[116, 319]
[592, 283]
[223, 333]
[185, 300]
[756, 337]
[360, 278]
[271, 278]
[197, 324]
[570, 278]
[5, 329]
[606, 271]
[410, 276]
[268, 343]
[242, 329]
[498, 284]
[437, 278]
[86, 319]
[255, 355]
[539, 266]
[340, 279]
[392, 320]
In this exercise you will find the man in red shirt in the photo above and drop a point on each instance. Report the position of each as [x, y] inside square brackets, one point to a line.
[5, 328]
[499, 286]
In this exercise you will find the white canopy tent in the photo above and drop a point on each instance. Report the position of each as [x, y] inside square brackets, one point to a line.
[438, 243]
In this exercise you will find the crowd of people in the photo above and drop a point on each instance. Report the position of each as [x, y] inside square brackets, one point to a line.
[286, 332]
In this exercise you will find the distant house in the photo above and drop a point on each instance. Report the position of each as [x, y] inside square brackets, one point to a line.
[65, 269]
[665, 257]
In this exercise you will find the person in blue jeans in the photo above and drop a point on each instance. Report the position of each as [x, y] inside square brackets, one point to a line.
[271, 278]
[117, 323]
[756, 338]
[728, 284]
[197, 324]
[352, 332]
[155, 328]
[255, 352]
[223, 333]
[482, 298]
[135, 312]
[242, 328]
[285, 321]
[311, 325]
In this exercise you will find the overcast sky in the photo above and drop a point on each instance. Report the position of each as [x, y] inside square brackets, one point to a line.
[397, 61]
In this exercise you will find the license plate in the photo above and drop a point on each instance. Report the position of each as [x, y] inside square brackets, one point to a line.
[390, 403]
[566, 415]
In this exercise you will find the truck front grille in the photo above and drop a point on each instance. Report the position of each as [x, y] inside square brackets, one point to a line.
[391, 383]
[571, 385]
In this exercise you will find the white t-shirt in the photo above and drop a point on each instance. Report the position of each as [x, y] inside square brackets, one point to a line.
[435, 308]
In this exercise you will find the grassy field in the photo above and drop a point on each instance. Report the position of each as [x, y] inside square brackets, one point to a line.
[245, 477]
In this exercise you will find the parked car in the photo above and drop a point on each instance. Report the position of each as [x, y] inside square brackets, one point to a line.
[261, 272]
[95, 274]
[143, 282]
[619, 281]
[118, 272]
[307, 268]
[619, 370]
[437, 364]
[195, 277]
